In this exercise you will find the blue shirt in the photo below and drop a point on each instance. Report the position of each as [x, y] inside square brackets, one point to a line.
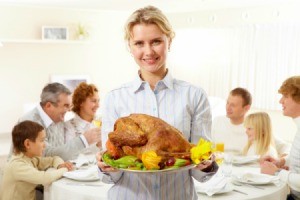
[180, 104]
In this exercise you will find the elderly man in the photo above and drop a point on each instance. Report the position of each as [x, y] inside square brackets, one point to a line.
[230, 129]
[290, 100]
[50, 113]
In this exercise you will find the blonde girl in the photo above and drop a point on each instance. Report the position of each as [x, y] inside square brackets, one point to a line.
[260, 138]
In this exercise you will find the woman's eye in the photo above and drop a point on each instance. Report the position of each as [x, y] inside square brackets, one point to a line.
[156, 42]
[139, 44]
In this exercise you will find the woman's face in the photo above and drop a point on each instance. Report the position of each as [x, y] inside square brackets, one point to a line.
[250, 133]
[90, 106]
[149, 47]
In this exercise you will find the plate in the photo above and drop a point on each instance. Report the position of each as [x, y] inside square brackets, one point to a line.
[239, 160]
[228, 188]
[253, 178]
[161, 170]
[155, 171]
[82, 175]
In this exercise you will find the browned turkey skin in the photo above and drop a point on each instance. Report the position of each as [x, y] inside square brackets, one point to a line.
[139, 133]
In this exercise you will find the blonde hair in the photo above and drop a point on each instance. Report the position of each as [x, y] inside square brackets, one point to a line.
[148, 15]
[261, 124]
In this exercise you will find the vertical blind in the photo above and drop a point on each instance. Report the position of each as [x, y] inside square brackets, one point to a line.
[258, 57]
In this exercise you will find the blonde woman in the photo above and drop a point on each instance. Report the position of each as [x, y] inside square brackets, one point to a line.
[155, 92]
[260, 138]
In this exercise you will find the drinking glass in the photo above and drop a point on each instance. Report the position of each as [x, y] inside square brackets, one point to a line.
[220, 146]
[227, 165]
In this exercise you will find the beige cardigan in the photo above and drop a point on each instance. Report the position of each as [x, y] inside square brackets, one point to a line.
[22, 174]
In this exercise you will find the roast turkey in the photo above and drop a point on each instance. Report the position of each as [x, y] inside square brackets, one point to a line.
[139, 133]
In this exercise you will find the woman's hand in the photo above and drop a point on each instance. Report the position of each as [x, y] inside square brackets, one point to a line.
[206, 166]
[67, 165]
[104, 167]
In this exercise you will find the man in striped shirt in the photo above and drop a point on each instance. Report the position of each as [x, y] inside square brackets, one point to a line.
[290, 90]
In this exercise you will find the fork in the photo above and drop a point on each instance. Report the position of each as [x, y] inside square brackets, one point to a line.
[241, 184]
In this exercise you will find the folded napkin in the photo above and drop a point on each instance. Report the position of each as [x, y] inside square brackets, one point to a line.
[256, 178]
[83, 175]
[83, 160]
[244, 159]
[212, 186]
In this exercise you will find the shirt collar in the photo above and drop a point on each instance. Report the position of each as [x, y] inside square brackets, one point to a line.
[82, 124]
[45, 117]
[138, 83]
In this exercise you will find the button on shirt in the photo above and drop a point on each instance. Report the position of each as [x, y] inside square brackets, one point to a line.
[180, 104]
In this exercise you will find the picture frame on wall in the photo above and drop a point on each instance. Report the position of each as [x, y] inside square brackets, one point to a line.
[70, 81]
[55, 33]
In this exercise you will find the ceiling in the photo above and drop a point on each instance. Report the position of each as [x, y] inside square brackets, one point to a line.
[130, 5]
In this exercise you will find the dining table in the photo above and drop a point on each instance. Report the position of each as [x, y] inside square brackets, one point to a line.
[66, 188]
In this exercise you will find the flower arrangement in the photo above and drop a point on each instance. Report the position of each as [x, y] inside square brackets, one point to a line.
[82, 32]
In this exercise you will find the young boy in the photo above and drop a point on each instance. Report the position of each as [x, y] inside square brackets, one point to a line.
[26, 168]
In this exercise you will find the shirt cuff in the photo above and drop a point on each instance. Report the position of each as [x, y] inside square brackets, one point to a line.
[86, 144]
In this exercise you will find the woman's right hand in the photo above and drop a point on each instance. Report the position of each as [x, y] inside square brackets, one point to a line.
[104, 167]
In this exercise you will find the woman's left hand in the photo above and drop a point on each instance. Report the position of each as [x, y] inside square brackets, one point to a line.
[206, 166]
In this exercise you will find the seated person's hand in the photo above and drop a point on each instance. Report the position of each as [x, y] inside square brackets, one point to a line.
[268, 159]
[93, 135]
[267, 167]
[67, 165]
[103, 167]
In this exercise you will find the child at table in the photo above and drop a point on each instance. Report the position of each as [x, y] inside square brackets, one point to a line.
[260, 138]
[26, 168]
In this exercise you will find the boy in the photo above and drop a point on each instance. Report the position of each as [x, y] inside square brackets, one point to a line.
[26, 168]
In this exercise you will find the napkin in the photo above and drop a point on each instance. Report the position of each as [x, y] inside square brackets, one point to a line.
[249, 177]
[244, 159]
[83, 175]
[83, 160]
[212, 186]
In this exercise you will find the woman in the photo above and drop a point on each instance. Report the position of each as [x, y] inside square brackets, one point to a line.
[260, 138]
[85, 103]
[154, 92]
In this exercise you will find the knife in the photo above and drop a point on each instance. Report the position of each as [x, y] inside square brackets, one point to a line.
[83, 184]
[238, 191]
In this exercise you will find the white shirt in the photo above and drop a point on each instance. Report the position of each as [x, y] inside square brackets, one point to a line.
[271, 152]
[233, 136]
[76, 127]
[292, 176]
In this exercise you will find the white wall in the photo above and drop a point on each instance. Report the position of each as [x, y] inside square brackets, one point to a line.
[26, 67]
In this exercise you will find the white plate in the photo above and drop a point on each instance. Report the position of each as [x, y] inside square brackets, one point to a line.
[239, 160]
[161, 170]
[82, 175]
[228, 188]
[253, 178]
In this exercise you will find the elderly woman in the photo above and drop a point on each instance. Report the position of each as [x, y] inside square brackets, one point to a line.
[85, 102]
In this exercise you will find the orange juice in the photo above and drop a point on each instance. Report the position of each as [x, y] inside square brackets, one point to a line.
[220, 147]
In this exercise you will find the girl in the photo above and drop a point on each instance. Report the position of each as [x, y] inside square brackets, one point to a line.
[260, 138]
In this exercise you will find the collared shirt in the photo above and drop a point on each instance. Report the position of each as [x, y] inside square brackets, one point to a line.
[46, 119]
[76, 127]
[180, 104]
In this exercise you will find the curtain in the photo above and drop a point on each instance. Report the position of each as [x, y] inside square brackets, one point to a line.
[258, 57]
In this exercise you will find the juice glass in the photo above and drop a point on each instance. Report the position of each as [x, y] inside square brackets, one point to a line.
[220, 146]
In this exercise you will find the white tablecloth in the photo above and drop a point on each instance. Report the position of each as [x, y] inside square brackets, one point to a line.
[76, 190]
